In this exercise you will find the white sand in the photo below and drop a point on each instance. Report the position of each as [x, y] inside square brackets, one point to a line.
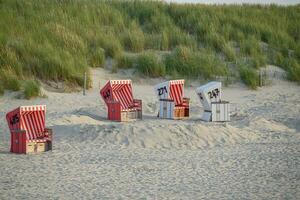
[256, 156]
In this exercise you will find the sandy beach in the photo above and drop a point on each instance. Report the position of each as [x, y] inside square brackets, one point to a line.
[255, 156]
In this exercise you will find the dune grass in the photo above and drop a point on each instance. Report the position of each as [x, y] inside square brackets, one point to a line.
[229, 52]
[97, 57]
[293, 69]
[249, 76]
[150, 65]
[195, 64]
[1, 89]
[125, 62]
[31, 89]
[59, 40]
[9, 80]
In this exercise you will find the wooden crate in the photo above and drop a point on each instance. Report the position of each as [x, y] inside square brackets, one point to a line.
[41, 146]
[179, 113]
[186, 112]
[131, 115]
[31, 147]
[37, 147]
[220, 111]
[166, 109]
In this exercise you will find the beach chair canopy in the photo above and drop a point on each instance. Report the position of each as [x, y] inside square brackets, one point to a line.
[208, 93]
[118, 90]
[28, 118]
[173, 89]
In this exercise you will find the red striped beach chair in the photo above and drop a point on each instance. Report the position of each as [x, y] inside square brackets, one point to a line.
[121, 105]
[172, 104]
[28, 131]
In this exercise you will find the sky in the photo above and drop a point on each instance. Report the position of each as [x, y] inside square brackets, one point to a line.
[280, 2]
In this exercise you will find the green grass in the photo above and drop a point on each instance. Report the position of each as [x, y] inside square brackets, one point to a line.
[1, 89]
[9, 80]
[149, 64]
[229, 52]
[250, 46]
[60, 40]
[134, 39]
[293, 69]
[125, 62]
[31, 89]
[112, 47]
[249, 76]
[184, 61]
[97, 57]
[294, 73]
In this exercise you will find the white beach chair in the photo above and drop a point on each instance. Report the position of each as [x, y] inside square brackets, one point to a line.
[215, 109]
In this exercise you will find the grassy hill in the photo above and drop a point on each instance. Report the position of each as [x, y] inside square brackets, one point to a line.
[59, 40]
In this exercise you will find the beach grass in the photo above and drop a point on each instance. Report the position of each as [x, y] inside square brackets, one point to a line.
[150, 65]
[60, 40]
[32, 89]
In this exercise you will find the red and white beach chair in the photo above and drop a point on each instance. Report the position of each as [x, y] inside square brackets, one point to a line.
[28, 131]
[121, 105]
[172, 104]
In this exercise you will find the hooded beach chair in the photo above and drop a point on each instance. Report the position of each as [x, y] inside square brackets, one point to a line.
[215, 109]
[172, 104]
[28, 131]
[121, 106]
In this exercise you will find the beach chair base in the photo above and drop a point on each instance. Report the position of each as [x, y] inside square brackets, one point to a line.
[181, 113]
[131, 115]
[37, 147]
[115, 113]
[20, 145]
[168, 110]
[220, 112]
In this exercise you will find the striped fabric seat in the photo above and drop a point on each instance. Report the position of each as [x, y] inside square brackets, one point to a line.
[33, 121]
[119, 91]
[28, 118]
[176, 91]
[173, 90]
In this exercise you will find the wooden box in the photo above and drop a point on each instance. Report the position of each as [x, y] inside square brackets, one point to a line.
[179, 112]
[37, 147]
[31, 147]
[220, 111]
[41, 146]
[166, 109]
[131, 115]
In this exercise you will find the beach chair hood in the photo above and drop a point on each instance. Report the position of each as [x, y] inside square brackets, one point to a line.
[118, 90]
[28, 118]
[208, 93]
[173, 89]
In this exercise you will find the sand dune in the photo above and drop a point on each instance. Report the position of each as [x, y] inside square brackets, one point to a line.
[255, 156]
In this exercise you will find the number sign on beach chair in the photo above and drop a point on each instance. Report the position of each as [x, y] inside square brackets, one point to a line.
[210, 96]
[28, 131]
[172, 104]
[121, 105]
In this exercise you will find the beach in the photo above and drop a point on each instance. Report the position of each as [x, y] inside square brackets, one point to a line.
[255, 156]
